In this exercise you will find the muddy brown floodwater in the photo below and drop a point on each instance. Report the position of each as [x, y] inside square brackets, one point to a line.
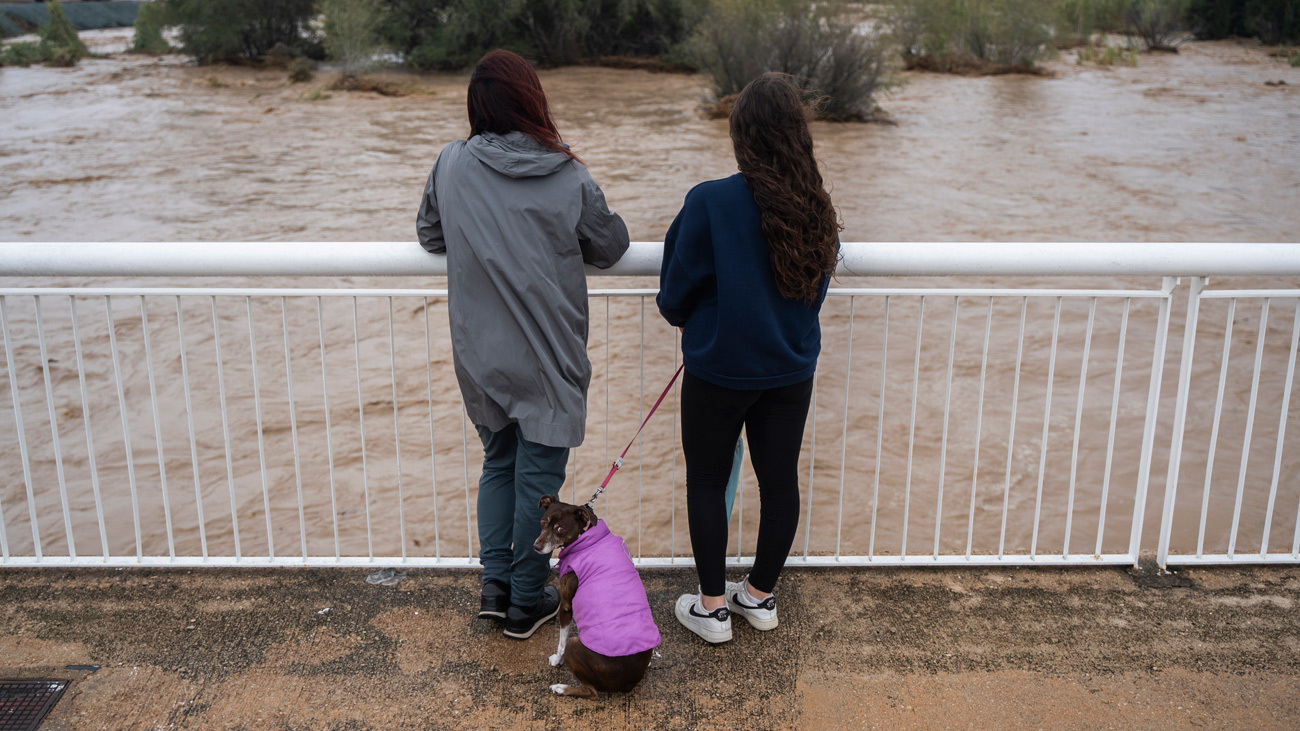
[1191, 146]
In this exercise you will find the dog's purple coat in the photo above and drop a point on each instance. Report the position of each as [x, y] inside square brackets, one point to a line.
[610, 606]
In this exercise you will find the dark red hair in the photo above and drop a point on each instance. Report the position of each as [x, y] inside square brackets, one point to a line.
[505, 96]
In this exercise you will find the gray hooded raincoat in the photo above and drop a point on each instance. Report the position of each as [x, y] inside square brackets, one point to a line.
[517, 222]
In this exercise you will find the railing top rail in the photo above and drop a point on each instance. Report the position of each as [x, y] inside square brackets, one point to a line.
[404, 258]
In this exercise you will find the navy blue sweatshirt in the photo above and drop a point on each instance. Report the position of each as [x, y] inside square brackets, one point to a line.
[716, 281]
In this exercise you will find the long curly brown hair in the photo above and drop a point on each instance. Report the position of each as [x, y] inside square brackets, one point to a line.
[769, 130]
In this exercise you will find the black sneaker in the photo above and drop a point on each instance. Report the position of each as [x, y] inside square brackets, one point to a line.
[522, 622]
[494, 601]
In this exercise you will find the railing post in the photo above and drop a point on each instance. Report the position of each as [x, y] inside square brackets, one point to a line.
[1180, 417]
[1149, 429]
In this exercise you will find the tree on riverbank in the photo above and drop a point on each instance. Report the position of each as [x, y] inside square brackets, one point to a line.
[222, 30]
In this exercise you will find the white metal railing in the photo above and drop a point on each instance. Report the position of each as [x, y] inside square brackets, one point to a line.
[157, 424]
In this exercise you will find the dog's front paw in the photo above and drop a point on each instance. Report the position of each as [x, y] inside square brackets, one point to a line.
[559, 688]
[556, 659]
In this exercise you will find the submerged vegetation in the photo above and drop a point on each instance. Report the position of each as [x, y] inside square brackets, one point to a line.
[59, 44]
[149, 23]
[821, 46]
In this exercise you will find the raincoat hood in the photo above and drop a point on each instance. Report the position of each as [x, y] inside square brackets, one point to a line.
[516, 155]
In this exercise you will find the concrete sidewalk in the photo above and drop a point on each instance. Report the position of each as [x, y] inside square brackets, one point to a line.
[857, 648]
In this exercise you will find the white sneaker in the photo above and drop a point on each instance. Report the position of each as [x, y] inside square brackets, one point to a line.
[713, 627]
[761, 616]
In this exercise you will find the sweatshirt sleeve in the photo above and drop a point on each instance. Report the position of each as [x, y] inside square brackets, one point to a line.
[687, 266]
[602, 235]
[428, 222]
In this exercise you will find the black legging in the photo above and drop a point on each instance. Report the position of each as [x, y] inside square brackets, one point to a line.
[774, 421]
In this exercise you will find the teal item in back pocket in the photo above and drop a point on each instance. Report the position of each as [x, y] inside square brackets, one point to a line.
[734, 482]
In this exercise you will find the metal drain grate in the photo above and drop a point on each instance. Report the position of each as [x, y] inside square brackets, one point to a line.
[24, 703]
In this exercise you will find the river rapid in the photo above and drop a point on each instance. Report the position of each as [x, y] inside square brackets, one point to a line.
[1193, 146]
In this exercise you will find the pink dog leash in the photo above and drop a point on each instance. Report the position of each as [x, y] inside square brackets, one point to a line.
[619, 462]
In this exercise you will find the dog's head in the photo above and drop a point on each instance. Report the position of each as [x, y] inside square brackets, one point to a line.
[562, 523]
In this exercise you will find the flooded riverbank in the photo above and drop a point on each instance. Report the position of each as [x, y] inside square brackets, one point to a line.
[1187, 147]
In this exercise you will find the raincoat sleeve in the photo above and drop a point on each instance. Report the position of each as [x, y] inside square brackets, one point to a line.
[687, 266]
[602, 235]
[428, 223]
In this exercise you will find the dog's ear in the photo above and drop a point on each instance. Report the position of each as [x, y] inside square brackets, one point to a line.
[547, 501]
[588, 516]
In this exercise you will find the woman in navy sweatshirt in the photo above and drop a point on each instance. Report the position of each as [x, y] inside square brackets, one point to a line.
[745, 270]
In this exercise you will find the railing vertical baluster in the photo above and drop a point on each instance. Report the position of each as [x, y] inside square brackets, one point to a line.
[329, 440]
[672, 498]
[979, 425]
[911, 432]
[812, 461]
[947, 404]
[126, 428]
[293, 427]
[844, 434]
[1250, 425]
[608, 383]
[397, 435]
[54, 431]
[1214, 428]
[1047, 423]
[433, 451]
[157, 430]
[1281, 431]
[261, 440]
[1180, 418]
[1078, 426]
[90, 439]
[225, 428]
[1167, 286]
[640, 450]
[880, 432]
[1011, 436]
[1114, 412]
[464, 450]
[189, 419]
[361, 421]
[10, 362]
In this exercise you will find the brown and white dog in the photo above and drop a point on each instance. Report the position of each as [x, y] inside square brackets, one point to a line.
[600, 586]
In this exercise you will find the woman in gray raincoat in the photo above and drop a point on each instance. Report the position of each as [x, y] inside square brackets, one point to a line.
[518, 216]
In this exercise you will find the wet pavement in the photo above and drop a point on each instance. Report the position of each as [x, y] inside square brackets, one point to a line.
[857, 648]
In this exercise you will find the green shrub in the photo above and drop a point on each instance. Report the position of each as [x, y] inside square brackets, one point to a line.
[148, 36]
[24, 53]
[216, 30]
[61, 38]
[352, 30]
[1215, 19]
[820, 45]
[301, 69]
[1077, 20]
[1161, 24]
[947, 35]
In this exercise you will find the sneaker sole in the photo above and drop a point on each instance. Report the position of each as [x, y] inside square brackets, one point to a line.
[531, 630]
[710, 637]
[758, 624]
[487, 614]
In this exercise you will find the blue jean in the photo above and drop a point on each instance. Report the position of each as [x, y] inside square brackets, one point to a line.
[516, 474]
